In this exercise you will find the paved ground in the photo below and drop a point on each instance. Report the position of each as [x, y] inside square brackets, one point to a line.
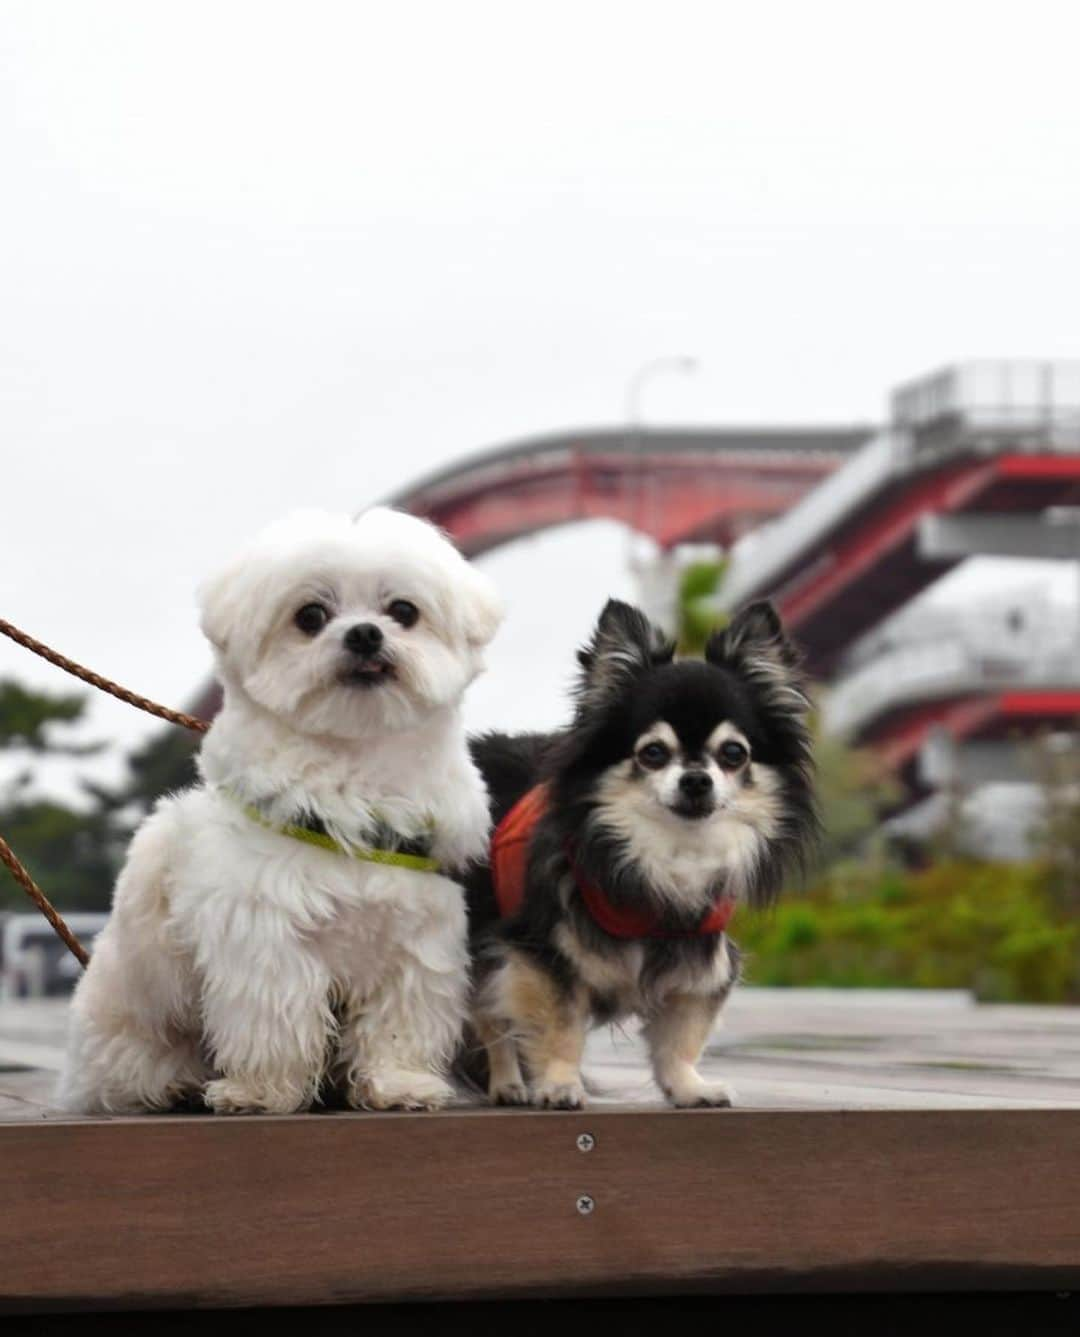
[781, 1049]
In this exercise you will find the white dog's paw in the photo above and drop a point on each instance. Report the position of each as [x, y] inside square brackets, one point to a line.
[548, 1095]
[700, 1094]
[228, 1095]
[509, 1093]
[402, 1089]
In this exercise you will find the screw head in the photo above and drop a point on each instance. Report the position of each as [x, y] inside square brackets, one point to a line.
[586, 1142]
[585, 1204]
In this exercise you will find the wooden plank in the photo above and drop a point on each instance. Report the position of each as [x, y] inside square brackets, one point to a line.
[175, 1211]
[782, 1049]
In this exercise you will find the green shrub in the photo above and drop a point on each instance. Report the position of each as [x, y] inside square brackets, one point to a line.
[995, 929]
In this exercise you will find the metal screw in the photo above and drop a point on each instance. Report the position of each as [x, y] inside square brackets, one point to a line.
[586, 1142]
[585, 1204]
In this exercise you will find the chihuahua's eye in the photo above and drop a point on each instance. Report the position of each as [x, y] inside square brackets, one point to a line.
[733, 754]
[401, 610]
[311, 619]
[654, 755]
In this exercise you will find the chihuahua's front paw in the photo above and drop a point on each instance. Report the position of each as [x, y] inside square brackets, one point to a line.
[699, 1094]
[509, 1093]
[400, 1089]
[559, 1095]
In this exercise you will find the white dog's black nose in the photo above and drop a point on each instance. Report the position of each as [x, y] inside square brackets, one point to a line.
[695, 784]
[364, 639]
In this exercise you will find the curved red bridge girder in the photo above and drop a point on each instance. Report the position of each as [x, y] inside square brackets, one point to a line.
[675, 485]
[870, 566]
[899, 737]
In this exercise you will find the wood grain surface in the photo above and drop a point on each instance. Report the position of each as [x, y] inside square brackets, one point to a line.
[202, 1211]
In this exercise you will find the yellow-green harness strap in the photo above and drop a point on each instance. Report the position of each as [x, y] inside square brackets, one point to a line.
[420, 863]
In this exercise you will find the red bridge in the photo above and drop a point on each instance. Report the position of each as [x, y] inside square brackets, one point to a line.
[943, 710]
[828, 522]
[975, 722]
[866, 564]
[850, 553]
[677, 486]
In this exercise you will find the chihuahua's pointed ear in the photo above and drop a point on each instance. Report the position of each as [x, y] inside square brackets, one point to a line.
[755, 630]
[624, 643]
[755, 646]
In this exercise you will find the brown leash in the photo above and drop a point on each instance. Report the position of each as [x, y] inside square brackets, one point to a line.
[7, 854]
[103, 684]
[23, 878]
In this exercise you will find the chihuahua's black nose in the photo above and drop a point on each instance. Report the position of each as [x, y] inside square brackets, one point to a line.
[695, 784]
[363, 639]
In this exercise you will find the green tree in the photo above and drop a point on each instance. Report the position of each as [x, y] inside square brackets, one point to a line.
[163, 764]
[27, 720]
[72, 853]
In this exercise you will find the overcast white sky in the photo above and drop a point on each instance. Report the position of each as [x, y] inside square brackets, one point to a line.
[256, 255]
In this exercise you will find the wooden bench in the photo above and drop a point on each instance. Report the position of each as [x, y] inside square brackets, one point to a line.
[880, 1146]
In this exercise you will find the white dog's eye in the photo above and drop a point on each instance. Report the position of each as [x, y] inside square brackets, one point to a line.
[732, 754]
[401, 610]
[654, 755]
[311, 619]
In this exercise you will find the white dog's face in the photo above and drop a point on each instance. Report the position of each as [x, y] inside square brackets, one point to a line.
[350, 628]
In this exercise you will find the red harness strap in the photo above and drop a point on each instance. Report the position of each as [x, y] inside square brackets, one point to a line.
[509, 860]
[510, 849]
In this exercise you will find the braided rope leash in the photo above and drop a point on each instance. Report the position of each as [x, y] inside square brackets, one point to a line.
[23, 878]
[7, 854]
[103, 684]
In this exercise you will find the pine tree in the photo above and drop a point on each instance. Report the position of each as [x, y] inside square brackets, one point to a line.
[72, 853]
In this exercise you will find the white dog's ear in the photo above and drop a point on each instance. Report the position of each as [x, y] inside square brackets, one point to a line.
[236, 601]
[482, 608]
[221, 599]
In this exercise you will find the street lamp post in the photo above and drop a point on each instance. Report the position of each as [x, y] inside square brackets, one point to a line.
[635, 431]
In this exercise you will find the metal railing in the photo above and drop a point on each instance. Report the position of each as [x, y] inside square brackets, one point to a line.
[972, 408]
[34, 962]
[1033, 405]
[767, 552]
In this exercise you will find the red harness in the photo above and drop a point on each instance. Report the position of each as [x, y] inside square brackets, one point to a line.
[509, 859]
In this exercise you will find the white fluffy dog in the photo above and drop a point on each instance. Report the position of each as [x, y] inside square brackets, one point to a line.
[280, 923]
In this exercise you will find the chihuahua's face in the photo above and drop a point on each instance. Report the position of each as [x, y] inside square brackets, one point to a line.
[686, 749]
[692, 771]
[699, 762]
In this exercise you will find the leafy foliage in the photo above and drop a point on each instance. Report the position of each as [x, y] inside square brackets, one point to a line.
[995, 929]
[853, 791]
[698, 616]
[71, 853]
[1056, 764]
[164, 764]
[26, 717]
